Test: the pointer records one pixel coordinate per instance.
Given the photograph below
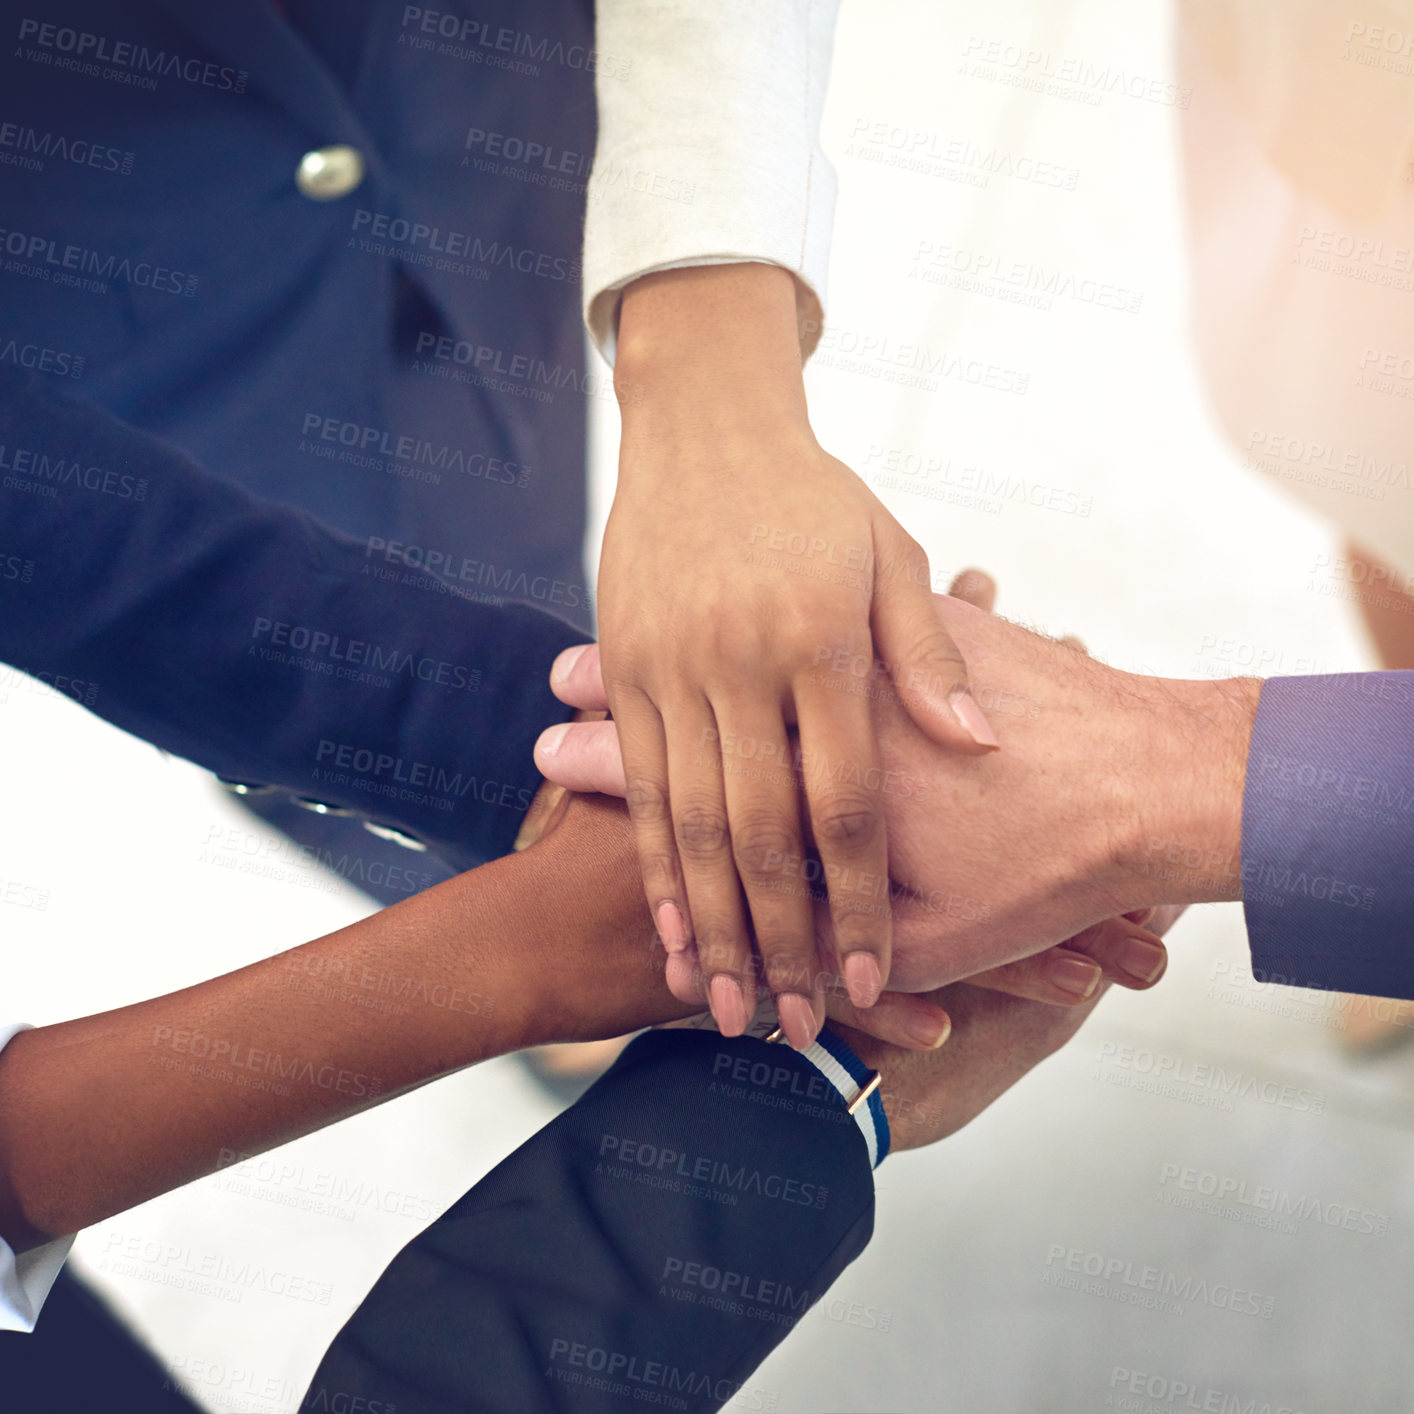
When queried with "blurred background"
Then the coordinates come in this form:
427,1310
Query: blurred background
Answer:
1062,443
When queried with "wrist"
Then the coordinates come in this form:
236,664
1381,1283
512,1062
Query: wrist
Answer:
1184,777
594,968
708,342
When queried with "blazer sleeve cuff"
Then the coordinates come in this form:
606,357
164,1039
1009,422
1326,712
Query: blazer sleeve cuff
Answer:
649,1247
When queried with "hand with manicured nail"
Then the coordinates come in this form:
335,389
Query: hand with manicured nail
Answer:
579,995
740,562
901,1019
1069,833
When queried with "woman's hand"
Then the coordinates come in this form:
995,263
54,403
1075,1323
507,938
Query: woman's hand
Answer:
740,559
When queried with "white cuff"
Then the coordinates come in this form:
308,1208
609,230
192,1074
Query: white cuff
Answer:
708,149
25,1280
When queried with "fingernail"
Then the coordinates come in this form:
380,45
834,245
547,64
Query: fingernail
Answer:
552,739
928,1031
1077,975
862,978
974,721
797,1019
563,665
728,1005
671,929
1142,960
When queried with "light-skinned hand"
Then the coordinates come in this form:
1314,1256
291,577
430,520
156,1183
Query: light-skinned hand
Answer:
1116,795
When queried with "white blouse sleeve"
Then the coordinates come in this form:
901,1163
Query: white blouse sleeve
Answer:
709,147
25,1280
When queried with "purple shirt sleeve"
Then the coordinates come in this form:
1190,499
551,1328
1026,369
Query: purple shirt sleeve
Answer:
1328,833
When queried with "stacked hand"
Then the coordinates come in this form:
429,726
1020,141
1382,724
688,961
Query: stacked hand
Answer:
1060,837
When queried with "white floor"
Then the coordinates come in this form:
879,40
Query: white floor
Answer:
1184,564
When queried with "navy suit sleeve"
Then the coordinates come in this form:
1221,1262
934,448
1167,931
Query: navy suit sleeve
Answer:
1328,833
650,1247
255,641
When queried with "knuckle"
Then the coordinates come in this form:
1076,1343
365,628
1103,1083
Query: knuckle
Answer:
861,923
647,801
912,550
847,822
790,967
935,647
761,846
624,661
659,871
719,948
902,547
702,832
734,648
811,623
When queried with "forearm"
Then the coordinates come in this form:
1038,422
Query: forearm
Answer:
106,1111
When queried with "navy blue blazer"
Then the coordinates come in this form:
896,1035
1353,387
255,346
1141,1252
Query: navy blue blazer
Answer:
253,640
405,363
650,1247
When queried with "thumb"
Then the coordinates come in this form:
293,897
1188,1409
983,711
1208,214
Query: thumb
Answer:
928,669
975,587
577,679
582,756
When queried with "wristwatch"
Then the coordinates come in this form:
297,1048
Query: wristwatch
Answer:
856,1084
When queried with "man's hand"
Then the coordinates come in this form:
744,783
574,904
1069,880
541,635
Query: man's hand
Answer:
1105,779
1113,794
738,557
1125,950
996,1039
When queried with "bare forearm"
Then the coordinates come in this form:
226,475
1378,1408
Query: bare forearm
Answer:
103,1112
